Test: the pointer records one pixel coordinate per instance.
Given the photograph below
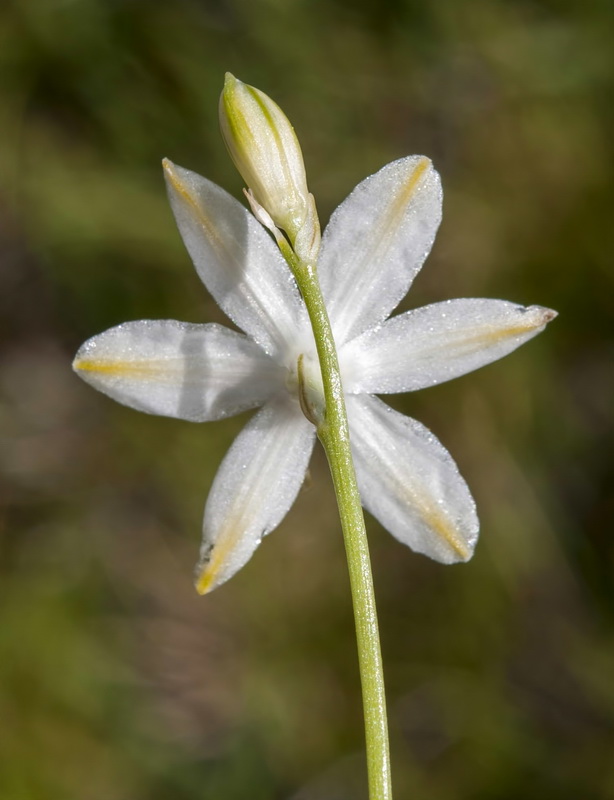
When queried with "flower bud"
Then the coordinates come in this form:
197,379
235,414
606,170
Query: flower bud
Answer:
262,143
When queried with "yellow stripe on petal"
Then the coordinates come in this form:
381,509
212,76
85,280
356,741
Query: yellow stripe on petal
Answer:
178,186
412,498
409,482
484,337
209,573
123,369
441,526
493,335
226,542
255,486
210,570
432,516
398,207
406,194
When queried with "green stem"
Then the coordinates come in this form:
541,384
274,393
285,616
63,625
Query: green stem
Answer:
333,433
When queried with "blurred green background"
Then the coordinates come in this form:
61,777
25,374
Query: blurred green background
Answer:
116,681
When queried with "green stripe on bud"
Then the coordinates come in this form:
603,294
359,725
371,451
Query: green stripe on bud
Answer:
262,143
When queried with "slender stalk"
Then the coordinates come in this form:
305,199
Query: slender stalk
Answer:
333,433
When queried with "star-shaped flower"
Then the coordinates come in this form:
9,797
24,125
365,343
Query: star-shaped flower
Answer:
373,247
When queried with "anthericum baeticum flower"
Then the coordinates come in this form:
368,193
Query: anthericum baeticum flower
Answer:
373,247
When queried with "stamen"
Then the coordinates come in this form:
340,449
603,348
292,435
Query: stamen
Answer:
306,407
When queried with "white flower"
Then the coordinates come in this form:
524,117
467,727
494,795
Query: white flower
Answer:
372,249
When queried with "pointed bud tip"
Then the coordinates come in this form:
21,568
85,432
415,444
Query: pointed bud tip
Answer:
231,89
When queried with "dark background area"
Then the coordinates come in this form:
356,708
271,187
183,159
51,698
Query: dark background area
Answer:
117,682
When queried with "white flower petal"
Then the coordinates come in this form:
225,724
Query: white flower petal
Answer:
176,369
236,260
376,242
436,343
410,483
254,488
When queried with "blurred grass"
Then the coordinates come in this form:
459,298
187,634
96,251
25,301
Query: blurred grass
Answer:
116,680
